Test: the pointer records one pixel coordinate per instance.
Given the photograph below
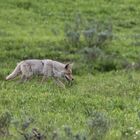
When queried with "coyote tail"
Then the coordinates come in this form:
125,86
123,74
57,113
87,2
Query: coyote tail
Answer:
15,73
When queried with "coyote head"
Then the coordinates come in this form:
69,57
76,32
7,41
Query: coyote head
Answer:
68,72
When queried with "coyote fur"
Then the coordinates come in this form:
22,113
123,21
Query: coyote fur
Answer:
47,68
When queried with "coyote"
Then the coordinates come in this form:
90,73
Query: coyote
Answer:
46,67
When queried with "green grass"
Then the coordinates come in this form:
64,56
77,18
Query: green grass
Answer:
114,93
35,29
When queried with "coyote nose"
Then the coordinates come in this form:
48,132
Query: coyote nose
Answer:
72,79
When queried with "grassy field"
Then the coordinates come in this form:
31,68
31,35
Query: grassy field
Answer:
104,100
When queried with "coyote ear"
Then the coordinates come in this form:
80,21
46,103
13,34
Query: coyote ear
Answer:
68,66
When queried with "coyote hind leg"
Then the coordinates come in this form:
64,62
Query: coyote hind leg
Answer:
23,79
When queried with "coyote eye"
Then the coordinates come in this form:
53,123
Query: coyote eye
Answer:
68,73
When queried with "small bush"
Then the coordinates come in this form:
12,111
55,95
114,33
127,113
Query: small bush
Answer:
72,35
92,33
98,126
5,120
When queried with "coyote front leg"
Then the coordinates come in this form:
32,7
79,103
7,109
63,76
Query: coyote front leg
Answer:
59,83
44,78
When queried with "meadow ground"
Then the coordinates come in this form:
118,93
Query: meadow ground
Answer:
36,29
